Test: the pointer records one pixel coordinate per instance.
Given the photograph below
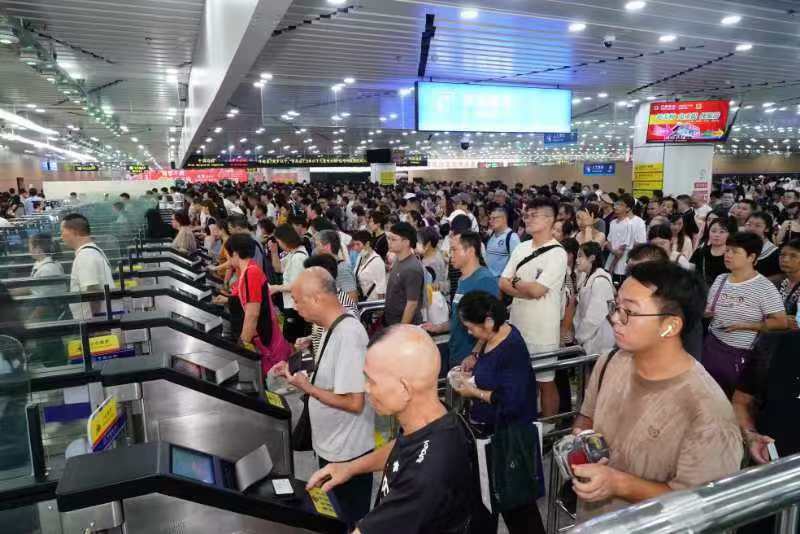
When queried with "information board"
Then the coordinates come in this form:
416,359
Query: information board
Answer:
599,169
647,177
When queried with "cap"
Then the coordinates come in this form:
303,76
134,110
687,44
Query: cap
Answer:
605,197
409,196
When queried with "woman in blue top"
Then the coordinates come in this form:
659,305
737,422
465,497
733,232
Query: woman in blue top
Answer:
504,388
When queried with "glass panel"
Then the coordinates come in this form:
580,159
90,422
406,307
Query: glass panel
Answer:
15,458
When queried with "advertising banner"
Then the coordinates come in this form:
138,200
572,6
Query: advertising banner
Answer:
195,175
400,158
687,122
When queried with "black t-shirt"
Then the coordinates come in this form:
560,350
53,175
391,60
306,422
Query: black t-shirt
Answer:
429,483
708,265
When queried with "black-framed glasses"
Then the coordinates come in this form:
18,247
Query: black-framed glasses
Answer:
624,314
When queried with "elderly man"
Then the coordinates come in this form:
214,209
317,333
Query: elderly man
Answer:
342,424
429,483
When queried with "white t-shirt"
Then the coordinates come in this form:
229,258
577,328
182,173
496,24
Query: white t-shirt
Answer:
539,320
743,302
371,274
89,268
629,231
292,266
45,268
338,435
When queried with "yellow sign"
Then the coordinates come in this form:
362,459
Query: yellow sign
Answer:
322,504
274,399
129,284
647,177
388,178
137,267
97,345
102,419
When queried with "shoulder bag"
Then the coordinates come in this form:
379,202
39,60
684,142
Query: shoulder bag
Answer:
507,299
301,435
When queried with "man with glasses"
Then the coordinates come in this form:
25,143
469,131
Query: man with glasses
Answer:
625,231
501,243
668,424
534,277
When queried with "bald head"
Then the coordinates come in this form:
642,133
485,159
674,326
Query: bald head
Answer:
402,367
314,293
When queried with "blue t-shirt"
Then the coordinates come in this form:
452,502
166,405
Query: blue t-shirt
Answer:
497,253
461,343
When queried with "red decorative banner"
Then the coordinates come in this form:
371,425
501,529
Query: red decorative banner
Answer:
194,175
702,121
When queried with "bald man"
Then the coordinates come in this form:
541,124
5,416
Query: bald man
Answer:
429,479
342,424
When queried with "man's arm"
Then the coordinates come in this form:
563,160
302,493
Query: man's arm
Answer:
250,325
524,290
335,474
409,311
755,442
598,482
349,402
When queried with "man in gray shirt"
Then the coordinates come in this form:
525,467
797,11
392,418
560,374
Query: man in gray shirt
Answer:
328,242
342,423
406,281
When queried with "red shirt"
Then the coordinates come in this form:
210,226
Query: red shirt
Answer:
256,280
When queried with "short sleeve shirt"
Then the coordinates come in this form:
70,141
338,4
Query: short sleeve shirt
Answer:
292,266
345,280
90,268
499,249
539,320
405,283
743,302
680,431
461,343
428,486
338,435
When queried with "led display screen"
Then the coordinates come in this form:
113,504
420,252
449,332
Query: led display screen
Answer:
192,464
703,121
492,108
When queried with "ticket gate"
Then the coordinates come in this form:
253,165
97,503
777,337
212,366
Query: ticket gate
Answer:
197,400
160,487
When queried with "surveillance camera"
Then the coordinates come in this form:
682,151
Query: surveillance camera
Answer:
465,143
608,40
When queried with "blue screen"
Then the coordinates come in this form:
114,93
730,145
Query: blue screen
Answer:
194,465
492,108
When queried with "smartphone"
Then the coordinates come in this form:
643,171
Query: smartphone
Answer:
296,362
772,451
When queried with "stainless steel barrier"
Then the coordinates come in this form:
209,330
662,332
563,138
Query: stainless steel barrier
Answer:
727,503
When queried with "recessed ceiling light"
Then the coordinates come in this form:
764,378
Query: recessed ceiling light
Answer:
767,104
651,98
172,71
39,110
276,140
135,139
469,14
259,85
336,2
635,5
730,20
744,47
218,129
345,114
577,27
349,80
171,78
576,100
243,140
602,95
209,139
30,106
667,38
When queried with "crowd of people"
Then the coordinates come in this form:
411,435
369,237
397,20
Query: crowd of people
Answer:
691,301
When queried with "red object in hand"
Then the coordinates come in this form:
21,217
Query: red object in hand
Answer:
577,457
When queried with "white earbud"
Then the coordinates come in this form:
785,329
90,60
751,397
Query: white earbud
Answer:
666,332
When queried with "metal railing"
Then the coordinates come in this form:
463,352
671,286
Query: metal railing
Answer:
727,503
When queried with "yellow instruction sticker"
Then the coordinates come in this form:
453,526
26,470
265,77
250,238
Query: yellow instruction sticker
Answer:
274,399
322,504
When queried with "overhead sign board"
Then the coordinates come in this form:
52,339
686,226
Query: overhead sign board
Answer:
702,121
136,168
262,162
561,138
599,169
82,167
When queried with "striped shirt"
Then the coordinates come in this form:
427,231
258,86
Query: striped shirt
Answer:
743,302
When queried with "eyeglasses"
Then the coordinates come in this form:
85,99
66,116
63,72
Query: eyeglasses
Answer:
624,314
535,215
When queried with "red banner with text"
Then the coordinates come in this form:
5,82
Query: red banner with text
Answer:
687,122
194,175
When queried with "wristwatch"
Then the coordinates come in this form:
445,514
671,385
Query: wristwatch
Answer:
514,282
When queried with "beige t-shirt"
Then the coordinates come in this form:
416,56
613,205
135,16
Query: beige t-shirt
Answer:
681,431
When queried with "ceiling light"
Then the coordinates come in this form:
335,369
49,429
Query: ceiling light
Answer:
577,27
576,100
767,104
135,139
730,20
171,78
259,85
635,5
349,80
218,129
266,76
287,147
602,95
344,114
75,155
209,139
382,119
276,140
336,88
39,110
260,131
31,106
234,111
243,140
744,47
25,123
469,14
172,72
231,147
667,38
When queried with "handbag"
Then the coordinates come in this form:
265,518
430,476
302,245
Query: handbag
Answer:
301,435
516,474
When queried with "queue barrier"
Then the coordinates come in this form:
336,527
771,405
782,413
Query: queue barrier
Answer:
751,494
